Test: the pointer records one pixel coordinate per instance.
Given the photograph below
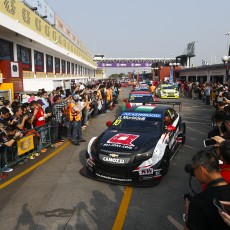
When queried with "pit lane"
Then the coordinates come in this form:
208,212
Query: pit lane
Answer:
56,196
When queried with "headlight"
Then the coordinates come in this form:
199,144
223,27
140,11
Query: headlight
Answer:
143,156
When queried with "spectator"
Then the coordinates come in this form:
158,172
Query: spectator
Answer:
7,105
75,132
20,119
31,98
40,125
44,98
57,111
8,137
201,213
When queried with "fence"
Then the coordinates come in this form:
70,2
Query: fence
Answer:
32,142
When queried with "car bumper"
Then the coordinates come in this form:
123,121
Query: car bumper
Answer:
121,175
171,96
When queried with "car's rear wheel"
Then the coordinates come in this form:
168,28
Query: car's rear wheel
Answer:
165,162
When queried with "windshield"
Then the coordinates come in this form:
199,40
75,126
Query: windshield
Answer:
138,122
140,98
167,87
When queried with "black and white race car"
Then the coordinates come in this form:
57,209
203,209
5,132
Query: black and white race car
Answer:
137,147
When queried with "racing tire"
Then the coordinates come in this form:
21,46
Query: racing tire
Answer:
165,163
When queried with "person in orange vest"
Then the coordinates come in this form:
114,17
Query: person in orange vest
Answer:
75,131
152,88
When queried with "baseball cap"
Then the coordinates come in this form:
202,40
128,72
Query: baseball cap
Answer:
40,102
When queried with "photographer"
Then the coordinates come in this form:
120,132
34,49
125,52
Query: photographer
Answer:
8,137
201,212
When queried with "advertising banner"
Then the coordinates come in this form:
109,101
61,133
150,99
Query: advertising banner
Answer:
25,144
123,65
43,9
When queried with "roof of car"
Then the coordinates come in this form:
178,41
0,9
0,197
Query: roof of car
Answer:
148,109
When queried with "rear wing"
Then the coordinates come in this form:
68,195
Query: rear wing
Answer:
173,103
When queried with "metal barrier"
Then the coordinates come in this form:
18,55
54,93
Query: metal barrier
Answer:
29,144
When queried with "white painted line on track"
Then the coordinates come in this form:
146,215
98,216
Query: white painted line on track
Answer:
190,147
197,122
175,223
195,118
196,130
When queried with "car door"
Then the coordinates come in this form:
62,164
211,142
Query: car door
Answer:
174,118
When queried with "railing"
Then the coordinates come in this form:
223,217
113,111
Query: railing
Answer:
31,143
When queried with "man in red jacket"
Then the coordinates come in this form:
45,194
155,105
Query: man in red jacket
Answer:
40,124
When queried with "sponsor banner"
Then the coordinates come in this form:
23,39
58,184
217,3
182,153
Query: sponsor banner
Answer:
25,144
123,65
154,115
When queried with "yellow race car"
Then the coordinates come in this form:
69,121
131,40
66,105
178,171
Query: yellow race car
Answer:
167,91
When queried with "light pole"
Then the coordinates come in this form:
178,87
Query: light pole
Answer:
226,60
228,33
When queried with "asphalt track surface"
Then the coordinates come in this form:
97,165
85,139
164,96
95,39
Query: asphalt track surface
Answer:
48,193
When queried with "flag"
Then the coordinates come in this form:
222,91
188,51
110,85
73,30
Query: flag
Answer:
171,76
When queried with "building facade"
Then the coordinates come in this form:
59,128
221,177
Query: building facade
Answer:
38,49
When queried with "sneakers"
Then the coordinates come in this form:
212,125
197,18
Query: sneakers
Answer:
76,143
82,140
3,175
55,145
31,157
7,170
42,151
36,154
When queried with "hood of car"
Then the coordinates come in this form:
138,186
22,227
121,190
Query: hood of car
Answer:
120,141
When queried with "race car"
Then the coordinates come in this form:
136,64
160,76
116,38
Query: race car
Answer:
137,147
167,91
139,98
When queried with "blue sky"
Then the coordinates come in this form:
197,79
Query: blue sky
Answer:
149,28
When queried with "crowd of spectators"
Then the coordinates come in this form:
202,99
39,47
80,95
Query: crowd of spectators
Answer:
51,117
212,167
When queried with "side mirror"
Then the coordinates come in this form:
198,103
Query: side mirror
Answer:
108,123
171,128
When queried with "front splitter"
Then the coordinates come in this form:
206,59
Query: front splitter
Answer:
145,183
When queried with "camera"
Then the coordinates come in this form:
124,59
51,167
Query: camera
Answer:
189,169
209,142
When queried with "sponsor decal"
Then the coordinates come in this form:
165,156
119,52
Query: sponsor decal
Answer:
112,178
117,122
123,139
148,171
154,115
117,146
134,118
114,160
113,155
